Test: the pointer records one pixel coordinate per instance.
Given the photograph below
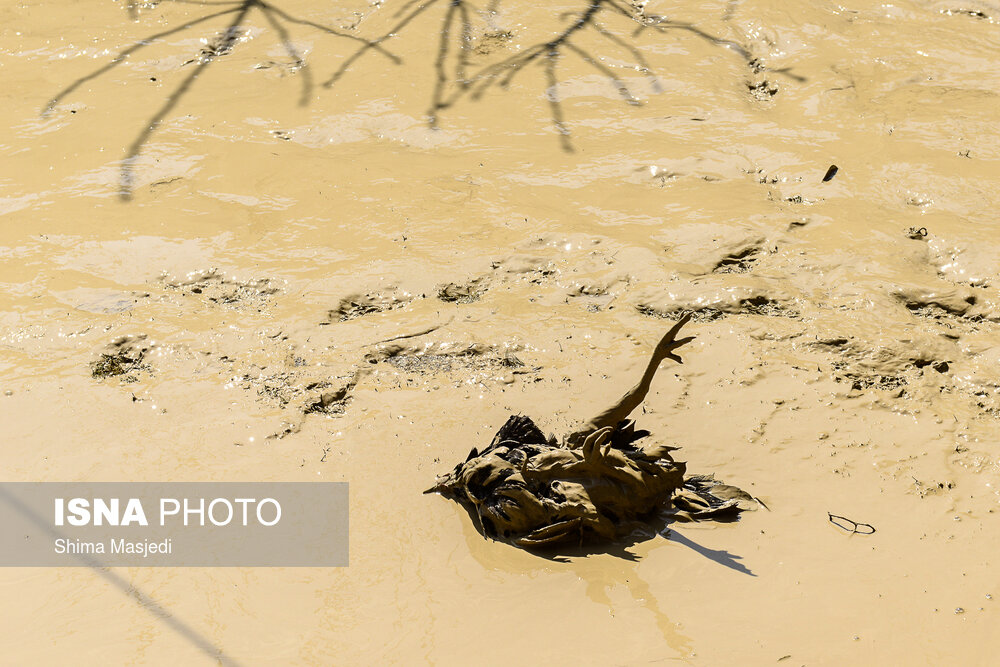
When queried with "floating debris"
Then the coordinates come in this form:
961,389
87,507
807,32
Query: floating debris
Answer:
123,357
854,527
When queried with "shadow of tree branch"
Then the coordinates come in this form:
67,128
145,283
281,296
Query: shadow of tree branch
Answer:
223,44
122,56
376,43
454,75
549,53
286,41
133,151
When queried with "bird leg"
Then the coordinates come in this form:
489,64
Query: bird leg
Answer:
624,406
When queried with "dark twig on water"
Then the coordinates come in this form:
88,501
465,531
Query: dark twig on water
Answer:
854,527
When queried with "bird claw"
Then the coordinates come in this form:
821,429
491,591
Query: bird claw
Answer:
669,342
593,442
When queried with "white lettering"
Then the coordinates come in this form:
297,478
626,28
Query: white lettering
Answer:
164,512
64,546
244,501
211,512
144,548
200,511
277,511
104,511
134,513
79,511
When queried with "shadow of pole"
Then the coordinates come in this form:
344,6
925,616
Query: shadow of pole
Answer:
144,600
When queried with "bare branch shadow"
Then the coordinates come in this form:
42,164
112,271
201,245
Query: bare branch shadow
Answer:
455,77
376,44
224,43
122,56
454,81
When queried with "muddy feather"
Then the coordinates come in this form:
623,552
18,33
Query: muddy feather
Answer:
595,485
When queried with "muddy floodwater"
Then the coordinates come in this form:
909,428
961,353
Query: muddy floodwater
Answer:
344,241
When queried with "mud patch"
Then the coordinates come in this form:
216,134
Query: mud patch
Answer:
446,359
699,315
861,381
740,261
761,88
105,302
301,393
493,41
213,286
947,304
534,269
330,401
463,293
359,305
278,388
220,45
958,309
963,11
762,305
326,399
753,305
123,358
891,366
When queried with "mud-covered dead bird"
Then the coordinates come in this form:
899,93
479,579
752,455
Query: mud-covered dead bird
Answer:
596,484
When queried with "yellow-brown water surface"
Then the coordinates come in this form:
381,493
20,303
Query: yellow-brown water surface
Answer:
251,207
